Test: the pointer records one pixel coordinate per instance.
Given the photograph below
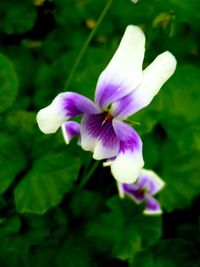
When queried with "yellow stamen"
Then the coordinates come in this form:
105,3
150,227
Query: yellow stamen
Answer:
107,118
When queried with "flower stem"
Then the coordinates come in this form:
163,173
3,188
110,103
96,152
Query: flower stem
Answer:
87,42
89,174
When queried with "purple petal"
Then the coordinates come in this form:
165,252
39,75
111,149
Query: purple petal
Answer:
154,76
64,107
145,183
152,205
124,72
70,129
98,136
124,107
150,181
75,104
109,92
133,191
129,162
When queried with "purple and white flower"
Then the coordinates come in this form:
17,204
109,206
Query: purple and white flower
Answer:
122,89
147,185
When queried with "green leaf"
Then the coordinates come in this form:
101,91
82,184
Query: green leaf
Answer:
186,11
8,84
123,230
182,95
15,248
45,185
25,123
181,112
181,152
80,11
10,225
78,253
172,252
17,17
85,203
12,160
180,171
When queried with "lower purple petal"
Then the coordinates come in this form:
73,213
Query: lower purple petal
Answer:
129,139
98,136
152,205
133,191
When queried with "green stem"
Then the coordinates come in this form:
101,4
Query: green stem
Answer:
86,44
89,174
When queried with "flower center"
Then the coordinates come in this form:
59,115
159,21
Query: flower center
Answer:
107,117
141,192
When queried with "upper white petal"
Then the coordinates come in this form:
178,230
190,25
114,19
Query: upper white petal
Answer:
124,72
154,76
127,60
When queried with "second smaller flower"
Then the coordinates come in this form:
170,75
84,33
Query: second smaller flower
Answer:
147,185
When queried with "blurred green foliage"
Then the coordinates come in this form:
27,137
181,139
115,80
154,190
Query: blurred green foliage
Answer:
46,217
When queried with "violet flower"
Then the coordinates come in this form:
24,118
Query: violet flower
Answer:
147,185
122,89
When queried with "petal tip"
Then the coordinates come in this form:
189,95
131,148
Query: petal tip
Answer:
48,121
120,190
127,170
43,122
170,62
134,29
65,135
154,213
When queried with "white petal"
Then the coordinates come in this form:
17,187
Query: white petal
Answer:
70,129
124,72
127,166
65,106
150,212
49,119
103,152
87,141
108,162
154,76
120,190
99,136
